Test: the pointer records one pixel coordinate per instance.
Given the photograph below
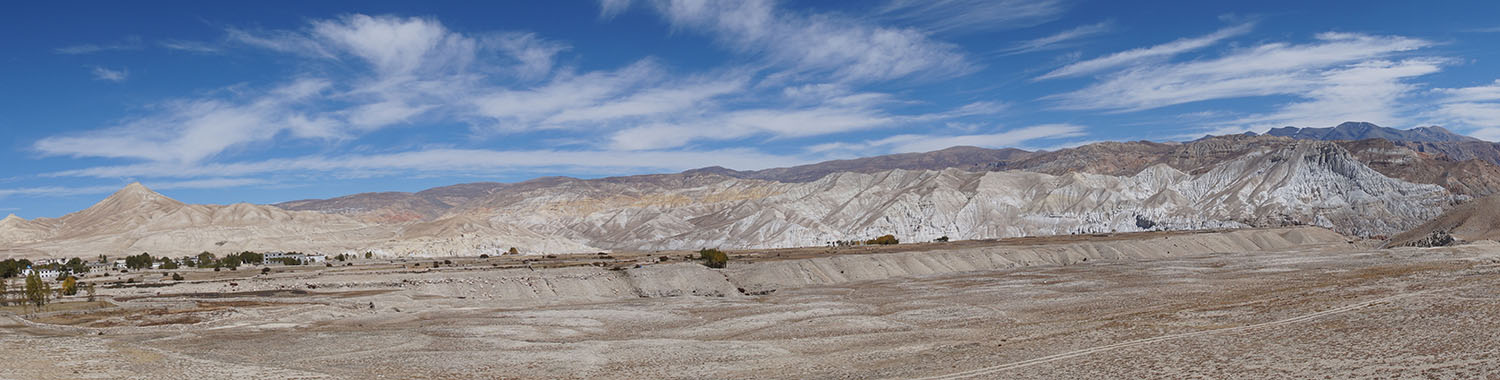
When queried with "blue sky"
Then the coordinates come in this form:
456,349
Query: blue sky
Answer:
223,103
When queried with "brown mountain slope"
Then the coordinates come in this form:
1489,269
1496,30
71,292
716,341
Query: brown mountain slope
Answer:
1461,176
1472,221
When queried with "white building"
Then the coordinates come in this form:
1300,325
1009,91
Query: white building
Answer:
45,274
99,267
278,257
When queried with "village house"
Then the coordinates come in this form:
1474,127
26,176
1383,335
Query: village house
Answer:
100,267
45,274
280,257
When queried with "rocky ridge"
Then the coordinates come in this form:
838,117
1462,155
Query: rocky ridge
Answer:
1365,188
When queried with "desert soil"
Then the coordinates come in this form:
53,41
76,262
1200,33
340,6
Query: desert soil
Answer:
1334,310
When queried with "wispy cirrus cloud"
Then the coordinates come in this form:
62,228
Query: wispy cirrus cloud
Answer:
448,160
1060,39
106,74
847,48
65,191
908,143
643,115
973,15
1475,109
1146,54
128,43
1267,69
190,46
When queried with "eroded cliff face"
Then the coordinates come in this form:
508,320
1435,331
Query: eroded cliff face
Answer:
1292,182
1306,183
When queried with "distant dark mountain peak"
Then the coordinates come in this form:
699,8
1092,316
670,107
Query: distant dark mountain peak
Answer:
1363,130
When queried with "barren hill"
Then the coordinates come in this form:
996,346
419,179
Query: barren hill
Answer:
1473,221
1367,188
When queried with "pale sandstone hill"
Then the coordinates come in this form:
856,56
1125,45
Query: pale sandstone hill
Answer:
1273,182
136,219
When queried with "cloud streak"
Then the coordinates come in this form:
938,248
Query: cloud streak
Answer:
127,44
105,74
1059,40
1268,69
1136,56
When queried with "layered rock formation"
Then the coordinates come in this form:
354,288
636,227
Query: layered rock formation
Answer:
1365,188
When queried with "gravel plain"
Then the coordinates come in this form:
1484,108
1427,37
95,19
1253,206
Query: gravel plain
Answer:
1328,309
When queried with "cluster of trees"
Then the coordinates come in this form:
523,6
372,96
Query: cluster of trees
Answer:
713,258
12,267
38,292
141,261
883,240
202,260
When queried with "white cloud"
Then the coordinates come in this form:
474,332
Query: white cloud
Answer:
1136,56
464,161
106,74
1268,69
192,130
610,8
535,56
973,15
847,48
129,43
64,191
1474,109
1059,40
396,46
909,143
1373,91
744,123
399,70
658,100
190,46
522,109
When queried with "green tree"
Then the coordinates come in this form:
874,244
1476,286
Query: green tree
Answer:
141,261
4,293
713,258
168,263
76,265
90,289
70,286
207,260
231,262
369,254
36,290
251,258
513,251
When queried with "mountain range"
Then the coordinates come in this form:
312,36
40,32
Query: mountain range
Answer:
1361,186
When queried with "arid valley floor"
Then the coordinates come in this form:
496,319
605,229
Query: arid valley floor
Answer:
1270,303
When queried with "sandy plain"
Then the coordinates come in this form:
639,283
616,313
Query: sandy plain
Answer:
1314,306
